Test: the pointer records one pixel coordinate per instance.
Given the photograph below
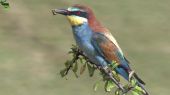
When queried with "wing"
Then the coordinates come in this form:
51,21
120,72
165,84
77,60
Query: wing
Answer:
107,47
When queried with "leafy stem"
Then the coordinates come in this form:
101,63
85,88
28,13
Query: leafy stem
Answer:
109,75
4,3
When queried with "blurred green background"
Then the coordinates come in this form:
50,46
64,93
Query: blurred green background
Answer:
34,45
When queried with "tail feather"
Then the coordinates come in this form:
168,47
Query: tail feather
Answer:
140,83
139,79
145,92
124,72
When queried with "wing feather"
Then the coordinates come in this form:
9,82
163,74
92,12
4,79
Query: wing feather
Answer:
109,50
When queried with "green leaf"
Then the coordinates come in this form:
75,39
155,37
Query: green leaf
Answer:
96,85
127,86
115,75
138,89
109,85
91,70
135,93
82,60
70,52
82,69
133,82
114,64
67,63
75,68
117,92
5,4
62,72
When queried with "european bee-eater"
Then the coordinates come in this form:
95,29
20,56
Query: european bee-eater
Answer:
96,41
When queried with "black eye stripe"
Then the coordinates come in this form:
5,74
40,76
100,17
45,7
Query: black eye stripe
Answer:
78,13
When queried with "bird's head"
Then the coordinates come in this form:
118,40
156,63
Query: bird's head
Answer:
77,14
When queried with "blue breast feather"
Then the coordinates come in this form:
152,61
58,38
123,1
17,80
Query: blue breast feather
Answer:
83,35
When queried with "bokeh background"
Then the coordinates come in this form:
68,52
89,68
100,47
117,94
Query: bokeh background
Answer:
34,45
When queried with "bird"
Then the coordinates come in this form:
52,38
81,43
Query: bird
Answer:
97,42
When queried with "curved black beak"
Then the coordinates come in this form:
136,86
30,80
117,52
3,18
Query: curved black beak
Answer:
59,11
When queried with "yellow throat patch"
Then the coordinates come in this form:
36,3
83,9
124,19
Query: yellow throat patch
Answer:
75,20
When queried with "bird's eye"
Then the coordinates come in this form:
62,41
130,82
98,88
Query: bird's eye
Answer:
78,13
